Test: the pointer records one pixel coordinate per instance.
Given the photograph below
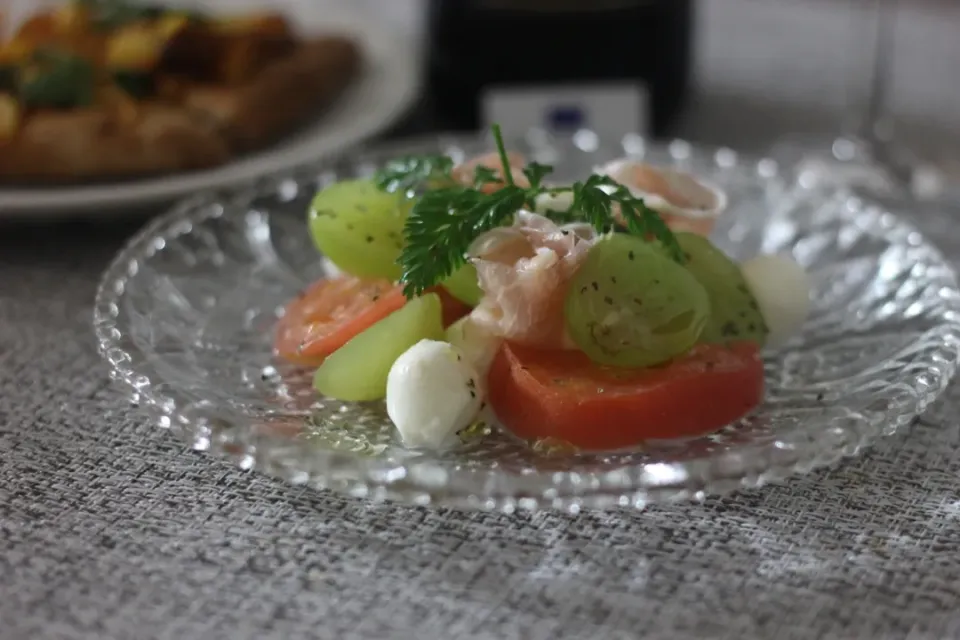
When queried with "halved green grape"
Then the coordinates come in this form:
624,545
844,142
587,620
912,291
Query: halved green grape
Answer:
629,305
360,228
734,312
358,370
464,285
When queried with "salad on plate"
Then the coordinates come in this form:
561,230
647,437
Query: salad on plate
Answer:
596,314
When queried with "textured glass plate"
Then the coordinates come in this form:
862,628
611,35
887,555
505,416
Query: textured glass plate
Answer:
185,315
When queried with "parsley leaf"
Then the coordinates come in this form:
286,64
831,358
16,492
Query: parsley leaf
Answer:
643,221
113,14
442,225
447,218
593,204
536,172
57,79
483,176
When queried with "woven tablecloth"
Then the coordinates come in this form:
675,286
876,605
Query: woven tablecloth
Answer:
111,528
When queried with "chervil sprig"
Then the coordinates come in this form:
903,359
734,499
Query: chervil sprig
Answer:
443,224
535,173
447,218
595,198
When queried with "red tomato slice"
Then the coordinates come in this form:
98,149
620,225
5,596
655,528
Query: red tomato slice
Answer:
563,395
332,311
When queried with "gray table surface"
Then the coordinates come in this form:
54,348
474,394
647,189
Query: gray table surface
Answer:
112,529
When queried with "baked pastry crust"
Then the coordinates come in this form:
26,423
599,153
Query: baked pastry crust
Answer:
208,91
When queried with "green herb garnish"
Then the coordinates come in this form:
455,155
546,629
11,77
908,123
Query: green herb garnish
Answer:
8,78
57,79
136,84
448,217
112,14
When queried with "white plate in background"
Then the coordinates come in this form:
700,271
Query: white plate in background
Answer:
386,89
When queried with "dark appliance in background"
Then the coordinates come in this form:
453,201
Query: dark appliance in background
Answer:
608,65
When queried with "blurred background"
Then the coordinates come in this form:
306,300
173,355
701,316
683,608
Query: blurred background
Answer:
772,76
763,68
870,84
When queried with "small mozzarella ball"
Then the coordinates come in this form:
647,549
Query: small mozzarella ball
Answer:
546,202
782,291
432,393
330,270
476,343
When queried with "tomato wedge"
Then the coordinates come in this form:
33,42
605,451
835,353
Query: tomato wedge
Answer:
332,311
563,395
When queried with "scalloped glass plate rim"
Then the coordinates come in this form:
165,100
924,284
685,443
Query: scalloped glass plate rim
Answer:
429,482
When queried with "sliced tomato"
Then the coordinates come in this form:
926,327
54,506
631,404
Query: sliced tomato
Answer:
563,395
329,313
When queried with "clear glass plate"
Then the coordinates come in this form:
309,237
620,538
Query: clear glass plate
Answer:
185,313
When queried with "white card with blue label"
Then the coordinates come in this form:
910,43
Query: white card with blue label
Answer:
611,110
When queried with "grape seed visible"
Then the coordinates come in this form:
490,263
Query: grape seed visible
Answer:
661,307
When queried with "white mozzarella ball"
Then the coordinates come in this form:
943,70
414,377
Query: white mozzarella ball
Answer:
432,393
782,290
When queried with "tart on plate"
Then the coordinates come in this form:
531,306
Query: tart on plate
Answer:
106,89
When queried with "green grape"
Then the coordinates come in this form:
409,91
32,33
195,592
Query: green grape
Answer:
464,285
358,370
629,305
360,228
734,313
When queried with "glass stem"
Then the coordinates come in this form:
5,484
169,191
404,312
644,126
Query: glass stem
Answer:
873,126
